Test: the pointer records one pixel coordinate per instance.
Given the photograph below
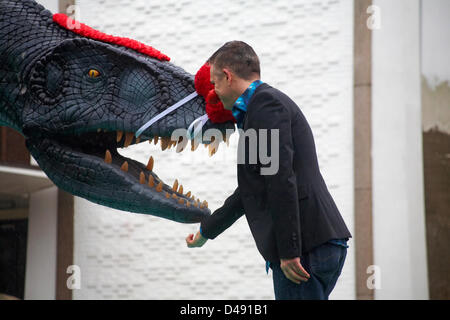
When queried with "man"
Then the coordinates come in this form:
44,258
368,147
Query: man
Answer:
295,223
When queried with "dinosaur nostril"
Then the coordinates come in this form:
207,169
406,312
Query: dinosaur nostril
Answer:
46,81
54,78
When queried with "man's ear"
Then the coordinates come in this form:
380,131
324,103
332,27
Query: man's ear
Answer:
228,75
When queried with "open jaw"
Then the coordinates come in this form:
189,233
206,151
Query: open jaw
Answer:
88,165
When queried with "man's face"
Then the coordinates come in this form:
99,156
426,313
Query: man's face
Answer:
222,87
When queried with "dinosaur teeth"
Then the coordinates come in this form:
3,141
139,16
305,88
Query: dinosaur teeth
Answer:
194,145
175,185
164,143
142,178
128,139
212,149
150,164
172,143
119,135
226,138
179,148
181,144
213,146
151,181
108,157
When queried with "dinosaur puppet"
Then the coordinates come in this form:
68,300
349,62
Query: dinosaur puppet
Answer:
77,97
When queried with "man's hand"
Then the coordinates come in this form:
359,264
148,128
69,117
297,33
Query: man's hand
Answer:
198,241
293,270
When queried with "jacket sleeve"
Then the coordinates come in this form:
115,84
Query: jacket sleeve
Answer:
224,217
281,184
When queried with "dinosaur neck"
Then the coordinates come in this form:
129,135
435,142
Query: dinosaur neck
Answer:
27,32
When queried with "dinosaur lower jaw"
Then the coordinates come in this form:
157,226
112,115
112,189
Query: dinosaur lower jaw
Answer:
103,176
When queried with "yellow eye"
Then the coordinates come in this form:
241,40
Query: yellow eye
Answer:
93,73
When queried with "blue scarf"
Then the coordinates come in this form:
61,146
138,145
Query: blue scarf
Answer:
240,106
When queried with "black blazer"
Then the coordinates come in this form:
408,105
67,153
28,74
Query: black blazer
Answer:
292,211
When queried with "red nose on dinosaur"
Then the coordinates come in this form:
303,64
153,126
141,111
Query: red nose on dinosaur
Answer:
212,97
214,107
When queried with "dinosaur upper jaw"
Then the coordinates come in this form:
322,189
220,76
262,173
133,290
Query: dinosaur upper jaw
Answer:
89,166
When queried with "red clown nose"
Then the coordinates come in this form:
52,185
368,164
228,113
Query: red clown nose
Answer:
214,107
212,97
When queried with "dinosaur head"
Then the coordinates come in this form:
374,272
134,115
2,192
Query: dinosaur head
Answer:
85,98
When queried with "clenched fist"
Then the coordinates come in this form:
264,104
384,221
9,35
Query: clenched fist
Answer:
196,242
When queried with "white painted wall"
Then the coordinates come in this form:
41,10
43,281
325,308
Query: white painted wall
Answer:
436,41
306,50
40,274
398,200
435,52
51,5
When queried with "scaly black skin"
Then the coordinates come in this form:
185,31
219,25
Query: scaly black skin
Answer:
47,95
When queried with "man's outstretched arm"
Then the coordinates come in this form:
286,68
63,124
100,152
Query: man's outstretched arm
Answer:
219,221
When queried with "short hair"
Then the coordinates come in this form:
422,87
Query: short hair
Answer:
239,57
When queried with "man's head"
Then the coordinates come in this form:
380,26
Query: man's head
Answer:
233,67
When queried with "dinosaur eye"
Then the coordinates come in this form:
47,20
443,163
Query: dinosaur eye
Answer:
93,73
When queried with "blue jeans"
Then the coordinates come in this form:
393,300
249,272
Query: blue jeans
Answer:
324,265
